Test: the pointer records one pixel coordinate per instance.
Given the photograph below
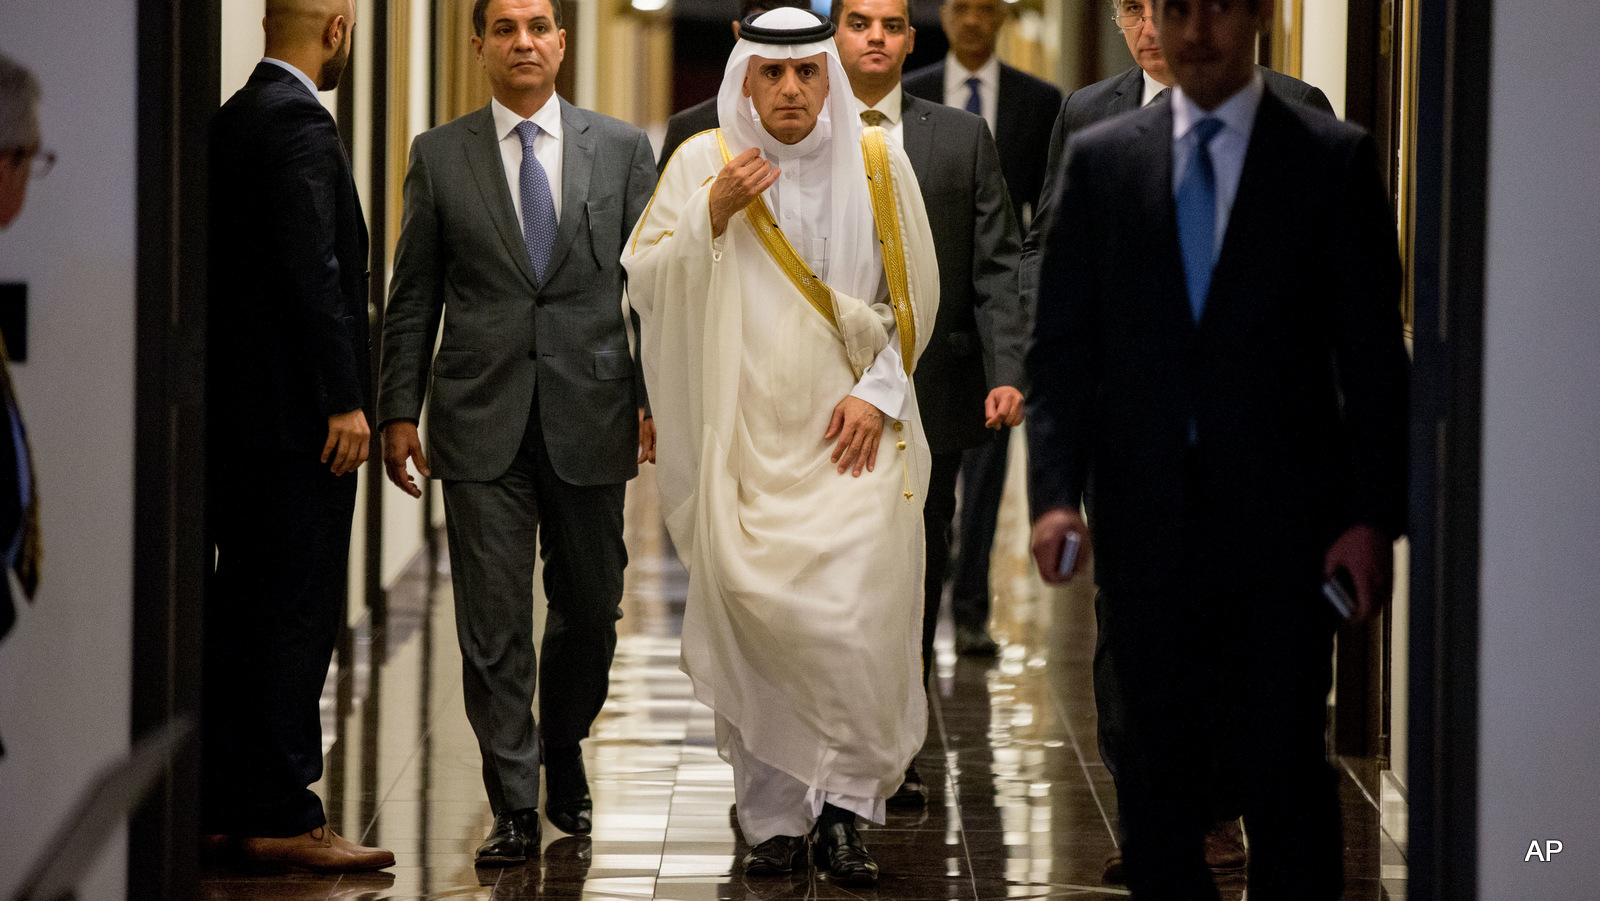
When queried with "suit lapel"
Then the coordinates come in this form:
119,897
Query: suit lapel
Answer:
1156,206
1008,118
916,134
1251,205
577,166
1129,93
489,172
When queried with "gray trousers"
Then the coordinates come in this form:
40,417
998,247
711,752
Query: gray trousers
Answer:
492,528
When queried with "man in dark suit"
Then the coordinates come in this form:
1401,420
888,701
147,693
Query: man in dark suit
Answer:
514,221
972,78
687,123
20,153
968,378
289,383
1218,369
1145,83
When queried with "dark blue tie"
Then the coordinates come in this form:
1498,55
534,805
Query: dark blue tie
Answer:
538,206
974,101
1197,216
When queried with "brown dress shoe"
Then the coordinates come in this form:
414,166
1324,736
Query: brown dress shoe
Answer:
1225,853
321,851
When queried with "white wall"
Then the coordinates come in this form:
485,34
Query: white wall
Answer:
1539,714
64,671
1324,40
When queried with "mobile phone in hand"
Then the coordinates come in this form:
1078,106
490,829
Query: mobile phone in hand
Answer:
1341,593
1069,554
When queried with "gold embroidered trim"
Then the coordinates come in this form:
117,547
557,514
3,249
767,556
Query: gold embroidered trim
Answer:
647,206
875,151
819,295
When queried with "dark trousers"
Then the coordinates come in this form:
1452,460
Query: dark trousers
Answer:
937,514
492,528
281,525
983,483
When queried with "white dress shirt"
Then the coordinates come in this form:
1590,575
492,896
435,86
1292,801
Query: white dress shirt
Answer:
956,91
546,149
1151,88
1238,116
304,78
891,107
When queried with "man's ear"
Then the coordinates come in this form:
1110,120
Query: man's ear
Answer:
333,34
911,39
1266,11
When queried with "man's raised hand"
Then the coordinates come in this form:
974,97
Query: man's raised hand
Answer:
741,181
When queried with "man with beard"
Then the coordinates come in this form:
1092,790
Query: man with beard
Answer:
288,390
780,333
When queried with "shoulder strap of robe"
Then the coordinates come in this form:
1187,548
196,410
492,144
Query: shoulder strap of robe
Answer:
777,244
875,151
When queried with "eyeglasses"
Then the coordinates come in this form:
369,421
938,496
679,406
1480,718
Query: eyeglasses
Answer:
1130,21
39,160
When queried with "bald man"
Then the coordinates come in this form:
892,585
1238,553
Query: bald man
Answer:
289,386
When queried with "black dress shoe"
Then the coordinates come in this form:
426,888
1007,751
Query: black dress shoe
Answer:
911,793
514,837
837,850
567,801
780,855
975,642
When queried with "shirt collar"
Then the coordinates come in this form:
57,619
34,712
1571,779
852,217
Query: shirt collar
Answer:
547,117
988,73
303,77
891,105
1238,113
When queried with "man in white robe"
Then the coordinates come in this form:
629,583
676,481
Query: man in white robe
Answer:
778,340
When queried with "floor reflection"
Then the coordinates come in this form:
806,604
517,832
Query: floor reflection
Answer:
1019,803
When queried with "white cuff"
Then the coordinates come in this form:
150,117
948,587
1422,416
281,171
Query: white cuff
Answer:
884,384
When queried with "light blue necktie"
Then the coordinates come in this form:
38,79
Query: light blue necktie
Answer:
1197,216
974,101
538,206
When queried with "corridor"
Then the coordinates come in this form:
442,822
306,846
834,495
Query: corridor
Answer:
1019,803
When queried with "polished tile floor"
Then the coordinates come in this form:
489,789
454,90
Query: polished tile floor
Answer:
1020,805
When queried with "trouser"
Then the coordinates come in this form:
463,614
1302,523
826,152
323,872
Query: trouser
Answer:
492,527
281,525
937,514
983,483
771,802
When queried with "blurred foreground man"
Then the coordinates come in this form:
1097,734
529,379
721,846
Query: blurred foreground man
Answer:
290,382
514,220
1234,410
20,157
969,378
779,335
1148,81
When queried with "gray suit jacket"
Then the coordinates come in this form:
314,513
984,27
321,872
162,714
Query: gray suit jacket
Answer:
512,346
981,333
1102,100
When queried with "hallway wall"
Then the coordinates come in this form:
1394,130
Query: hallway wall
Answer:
64,671
1540,725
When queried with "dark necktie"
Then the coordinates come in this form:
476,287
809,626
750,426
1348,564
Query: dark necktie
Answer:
974,100
1197,216
538,206
872,117
1161,95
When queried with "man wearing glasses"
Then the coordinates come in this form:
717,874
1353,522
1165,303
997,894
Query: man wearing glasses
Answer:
20,159
1148,81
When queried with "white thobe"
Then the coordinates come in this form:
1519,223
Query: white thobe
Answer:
803,625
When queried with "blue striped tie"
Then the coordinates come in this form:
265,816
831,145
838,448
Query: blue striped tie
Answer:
538,206
1197,216
974,101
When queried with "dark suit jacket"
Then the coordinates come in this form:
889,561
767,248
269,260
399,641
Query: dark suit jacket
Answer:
980,335
684,125
1022,125
1295,377
509,340
288,292
10,508
1100,101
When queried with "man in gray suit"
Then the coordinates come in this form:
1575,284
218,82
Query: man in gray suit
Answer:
514,221
968,377
1147,82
